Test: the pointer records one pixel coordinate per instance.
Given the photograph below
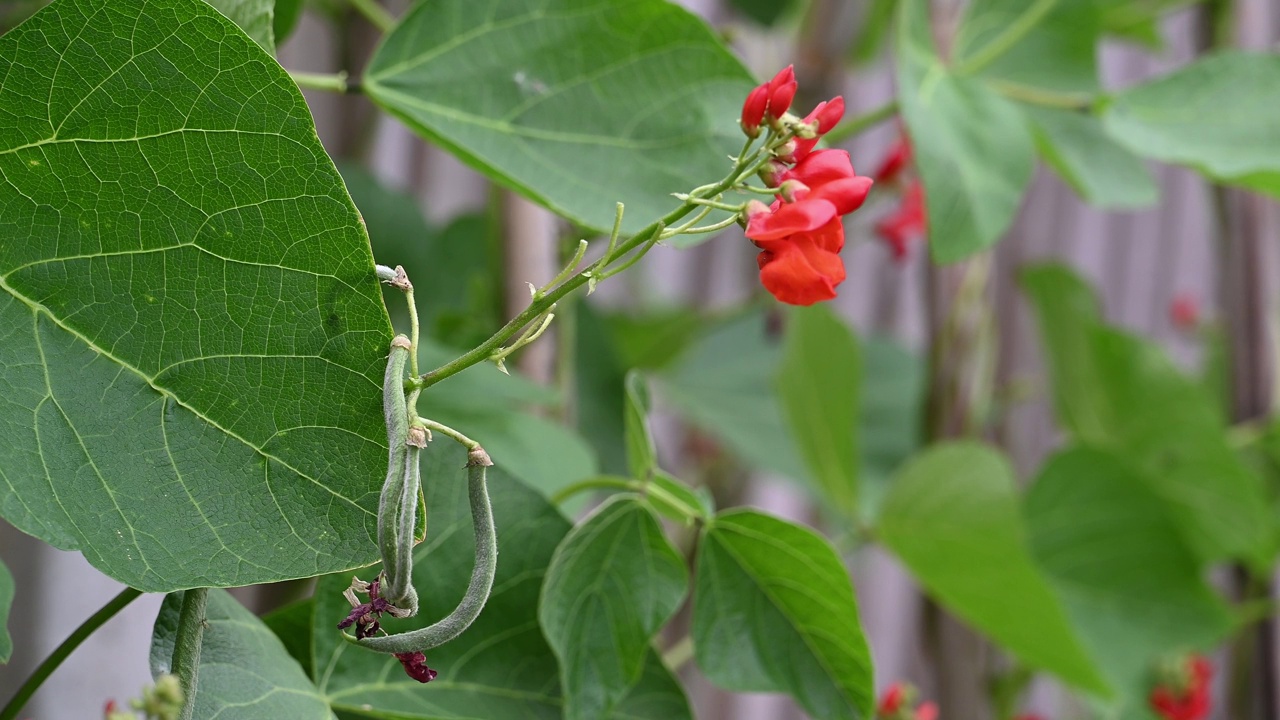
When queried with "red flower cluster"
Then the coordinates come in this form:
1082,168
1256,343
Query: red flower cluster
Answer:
1188,699
896,703
800,235
907,222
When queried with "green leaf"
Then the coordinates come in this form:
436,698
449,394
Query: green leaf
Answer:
677,501
244,671
889,418
818,385
642,455
254,17
952,517
501,667
1137,20
287,15
724,384
292,624
1132,586
1216,115
1116,391
6,602
614,581
625,116
764,12
1044,45
774,611
972,147
876,29
655,338
599,384
191,332
1101,172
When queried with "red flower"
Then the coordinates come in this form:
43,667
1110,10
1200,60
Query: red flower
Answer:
1184,311
803,267
892,699
769,101
897,159
829,176
1191,700
896,704
927,711
824,117
899,227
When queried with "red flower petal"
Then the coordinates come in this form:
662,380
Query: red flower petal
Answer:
789,218
782,90
801,272
753,110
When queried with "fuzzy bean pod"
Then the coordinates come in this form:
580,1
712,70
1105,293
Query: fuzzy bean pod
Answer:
396,554
486,565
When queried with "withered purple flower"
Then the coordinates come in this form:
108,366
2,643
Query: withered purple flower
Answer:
367,616
415,665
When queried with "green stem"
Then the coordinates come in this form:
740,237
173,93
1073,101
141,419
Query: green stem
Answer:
600,482
1043,98
1013,34
486,565
186,647
433,426
650,233
714,227
68,646
857,125
330,82
375,14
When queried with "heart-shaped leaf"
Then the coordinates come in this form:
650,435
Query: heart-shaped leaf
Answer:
1102,172
1117,391
255,17
1131,584
774,611
578,104
613,583
192,338
818,385
972,147
244,671
952,517
1216,115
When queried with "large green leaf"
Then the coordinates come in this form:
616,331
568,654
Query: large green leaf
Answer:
578,104
818,385
501,667
292,624
774,611
1100,171
285,18
889,417
1038,44
1132,586
191,332
244,671
613,583
972,147
952,517
255,17
724,384
1216,115
1114,390
6,601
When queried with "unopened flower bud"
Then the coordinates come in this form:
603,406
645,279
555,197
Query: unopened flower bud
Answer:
793,190
786,152
772,172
